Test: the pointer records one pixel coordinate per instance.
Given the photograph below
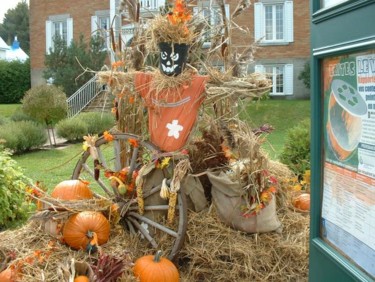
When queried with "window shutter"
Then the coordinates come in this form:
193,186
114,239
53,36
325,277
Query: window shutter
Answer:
259,69
94,25
289,21
69,35
258,21
48,36
288,80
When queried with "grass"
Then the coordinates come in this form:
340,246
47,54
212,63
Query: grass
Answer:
7,110
56,165
282,115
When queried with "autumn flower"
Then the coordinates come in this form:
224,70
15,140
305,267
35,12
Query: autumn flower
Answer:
133,142
108,136
180,14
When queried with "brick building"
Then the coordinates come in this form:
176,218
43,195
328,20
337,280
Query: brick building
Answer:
282,26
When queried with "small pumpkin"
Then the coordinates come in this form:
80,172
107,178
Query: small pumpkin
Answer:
302,202
86,230
155,268
7,275
72,190
81,278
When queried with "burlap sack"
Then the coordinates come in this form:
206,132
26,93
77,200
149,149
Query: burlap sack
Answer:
193,189
227,197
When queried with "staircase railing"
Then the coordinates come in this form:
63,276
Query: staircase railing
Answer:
83,96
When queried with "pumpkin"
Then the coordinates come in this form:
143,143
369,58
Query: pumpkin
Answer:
81,278
72,190
302,202
86,230
155,268
7,275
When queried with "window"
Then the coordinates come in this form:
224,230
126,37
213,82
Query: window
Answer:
281,76
273,22
100,26
58,26
213,17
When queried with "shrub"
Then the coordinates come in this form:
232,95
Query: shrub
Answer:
45,103
71,129
23,135
304,75
21,116
14,81
13,205
296,151
97,122
3,120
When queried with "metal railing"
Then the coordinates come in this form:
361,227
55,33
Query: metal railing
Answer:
83,96
151,4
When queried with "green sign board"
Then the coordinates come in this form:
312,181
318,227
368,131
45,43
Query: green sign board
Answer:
342,239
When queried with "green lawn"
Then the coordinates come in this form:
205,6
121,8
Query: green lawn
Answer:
281,114
7,110
54,165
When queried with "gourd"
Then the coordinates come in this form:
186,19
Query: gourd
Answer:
7,275
72,190
302,202
81,278
86,230
155,268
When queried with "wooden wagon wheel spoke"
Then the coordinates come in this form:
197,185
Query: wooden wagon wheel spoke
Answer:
144,232
154,224
160,235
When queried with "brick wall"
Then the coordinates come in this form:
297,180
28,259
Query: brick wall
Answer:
81,12
300,48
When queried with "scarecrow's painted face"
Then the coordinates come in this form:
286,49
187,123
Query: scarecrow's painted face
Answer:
172,60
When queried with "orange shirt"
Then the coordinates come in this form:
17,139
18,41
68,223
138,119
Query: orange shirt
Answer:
172,112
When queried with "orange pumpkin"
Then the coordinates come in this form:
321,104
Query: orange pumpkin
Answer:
86,230
72,190
302,202
155,268
81,278
7,275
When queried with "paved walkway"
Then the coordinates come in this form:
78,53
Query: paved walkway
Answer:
59,140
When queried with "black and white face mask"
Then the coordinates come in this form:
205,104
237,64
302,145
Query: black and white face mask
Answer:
172,58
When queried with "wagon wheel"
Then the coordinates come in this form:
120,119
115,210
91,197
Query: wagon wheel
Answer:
152,225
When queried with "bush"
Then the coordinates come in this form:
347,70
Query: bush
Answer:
296,151
14,81
23,135
21,116
14,208
72,129
3,120
97,122
45,103
305,75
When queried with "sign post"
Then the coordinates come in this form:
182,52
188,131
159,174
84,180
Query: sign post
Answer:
342,238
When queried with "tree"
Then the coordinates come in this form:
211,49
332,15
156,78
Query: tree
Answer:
46,104
16,23
65,64
305,75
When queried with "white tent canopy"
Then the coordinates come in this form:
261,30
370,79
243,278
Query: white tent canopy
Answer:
15,52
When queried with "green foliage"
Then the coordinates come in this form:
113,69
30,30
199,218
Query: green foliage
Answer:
20,116
64,64
14,80
296,151
97,122
23,135
305,75
3,120
72,129
13,205
86,123
16,22
45,103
